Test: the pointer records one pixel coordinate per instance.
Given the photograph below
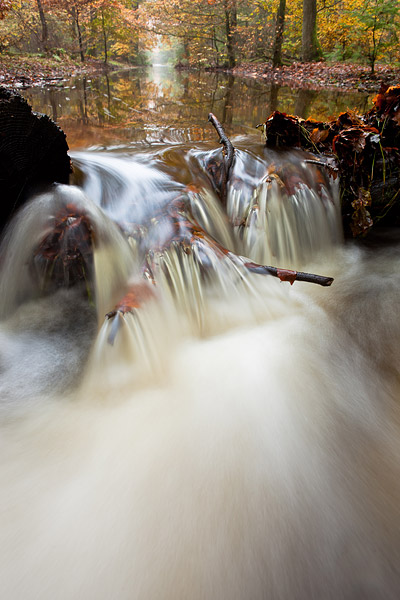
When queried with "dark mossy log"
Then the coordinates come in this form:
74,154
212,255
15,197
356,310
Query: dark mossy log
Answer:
33,152
363,149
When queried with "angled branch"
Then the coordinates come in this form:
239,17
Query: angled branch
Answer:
288,274
228,153
228,146
187,231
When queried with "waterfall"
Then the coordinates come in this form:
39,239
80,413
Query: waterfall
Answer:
177,427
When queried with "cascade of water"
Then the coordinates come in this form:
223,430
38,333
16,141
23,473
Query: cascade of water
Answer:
231,436
57,240
138,197
128,190
288,214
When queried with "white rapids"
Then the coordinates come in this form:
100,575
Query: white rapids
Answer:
238,439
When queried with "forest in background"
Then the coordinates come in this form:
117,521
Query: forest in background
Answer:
204,33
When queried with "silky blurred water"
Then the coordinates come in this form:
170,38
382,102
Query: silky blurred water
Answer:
233,437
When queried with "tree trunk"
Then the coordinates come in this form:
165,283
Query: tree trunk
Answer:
45,33
103,27
279,27
134,7
78,28
215,46
186,49
373,52
230,27
310,49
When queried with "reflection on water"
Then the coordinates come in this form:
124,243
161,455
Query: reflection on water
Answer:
161,103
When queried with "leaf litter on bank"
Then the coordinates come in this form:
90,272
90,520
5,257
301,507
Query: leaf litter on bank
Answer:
322,75
35,71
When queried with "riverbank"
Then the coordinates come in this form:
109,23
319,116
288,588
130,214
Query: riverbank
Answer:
323,75
35,71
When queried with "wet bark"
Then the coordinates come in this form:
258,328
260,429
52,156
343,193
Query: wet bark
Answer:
33,152
220,171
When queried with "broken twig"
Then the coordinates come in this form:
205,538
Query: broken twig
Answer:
224,140
288,274
228,153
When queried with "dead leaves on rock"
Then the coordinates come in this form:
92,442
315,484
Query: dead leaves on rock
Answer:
65,256
365,149
137,295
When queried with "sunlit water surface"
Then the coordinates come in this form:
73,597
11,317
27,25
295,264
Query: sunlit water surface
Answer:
234,437
163,104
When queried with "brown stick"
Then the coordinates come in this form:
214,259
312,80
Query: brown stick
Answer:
228,155
229,149
187,230
289,275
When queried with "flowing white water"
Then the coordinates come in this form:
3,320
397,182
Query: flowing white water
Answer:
233,438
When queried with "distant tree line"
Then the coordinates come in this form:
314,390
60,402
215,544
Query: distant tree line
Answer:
206,33
104,29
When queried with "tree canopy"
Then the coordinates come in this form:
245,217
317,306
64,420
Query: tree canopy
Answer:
205,33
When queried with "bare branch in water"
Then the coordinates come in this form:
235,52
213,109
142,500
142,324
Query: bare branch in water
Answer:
229,152
229,149
138,294
321,163
288,274
186,232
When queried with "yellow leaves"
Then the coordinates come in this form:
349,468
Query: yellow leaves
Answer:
120,48
5,6
319,135
336,27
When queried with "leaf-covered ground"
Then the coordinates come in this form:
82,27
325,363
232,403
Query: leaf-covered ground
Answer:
320,75
28,71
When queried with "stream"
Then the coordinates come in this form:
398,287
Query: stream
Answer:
229,437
